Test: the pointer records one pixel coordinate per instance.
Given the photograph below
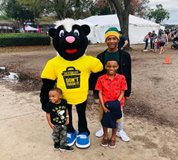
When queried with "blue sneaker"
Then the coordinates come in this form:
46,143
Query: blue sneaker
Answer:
83,140
71,138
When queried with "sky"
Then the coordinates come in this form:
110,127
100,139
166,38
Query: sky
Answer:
171,6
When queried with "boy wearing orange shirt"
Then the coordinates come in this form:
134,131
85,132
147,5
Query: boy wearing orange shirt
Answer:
111,88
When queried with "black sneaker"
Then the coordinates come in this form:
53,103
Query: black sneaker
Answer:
56,146
67,149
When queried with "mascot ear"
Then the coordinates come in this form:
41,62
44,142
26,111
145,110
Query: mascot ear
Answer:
86,29
52,32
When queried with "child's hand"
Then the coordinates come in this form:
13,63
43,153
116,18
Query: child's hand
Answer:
106,109
52,126
67,121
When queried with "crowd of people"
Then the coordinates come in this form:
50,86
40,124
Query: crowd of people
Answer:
174,35
158,40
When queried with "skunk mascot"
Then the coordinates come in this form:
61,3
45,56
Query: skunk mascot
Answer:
70,71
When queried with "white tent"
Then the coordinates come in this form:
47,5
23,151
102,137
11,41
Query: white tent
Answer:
138,27
92,35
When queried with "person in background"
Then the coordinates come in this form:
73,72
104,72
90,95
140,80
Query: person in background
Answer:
153,38
157,44
163,40
123,58
123,42
146,39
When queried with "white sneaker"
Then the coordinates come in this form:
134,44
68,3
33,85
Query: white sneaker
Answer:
99,133
123,135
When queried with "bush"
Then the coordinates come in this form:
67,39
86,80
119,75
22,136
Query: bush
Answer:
23,39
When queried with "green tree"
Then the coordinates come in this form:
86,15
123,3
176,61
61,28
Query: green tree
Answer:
35,6
81,8
61,8
159,14
16,11
72,8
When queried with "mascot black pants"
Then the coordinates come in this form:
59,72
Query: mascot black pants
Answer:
82,121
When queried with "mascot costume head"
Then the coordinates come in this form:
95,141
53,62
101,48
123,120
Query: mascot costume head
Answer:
70,71
70,42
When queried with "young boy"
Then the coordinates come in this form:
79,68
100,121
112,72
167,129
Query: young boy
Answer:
111,88
58,117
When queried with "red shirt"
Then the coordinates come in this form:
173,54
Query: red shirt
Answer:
111,89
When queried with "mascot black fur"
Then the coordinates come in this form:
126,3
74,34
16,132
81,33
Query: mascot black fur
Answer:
70,71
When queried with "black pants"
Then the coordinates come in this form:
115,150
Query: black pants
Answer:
82,121
146,44
152,44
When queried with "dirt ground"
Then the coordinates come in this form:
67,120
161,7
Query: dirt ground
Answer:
151,113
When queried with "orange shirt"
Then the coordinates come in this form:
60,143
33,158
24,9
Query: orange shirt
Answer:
111,89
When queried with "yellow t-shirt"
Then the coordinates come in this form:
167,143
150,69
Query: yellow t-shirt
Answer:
72,76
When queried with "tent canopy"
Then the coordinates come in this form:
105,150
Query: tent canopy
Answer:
138,27
113,19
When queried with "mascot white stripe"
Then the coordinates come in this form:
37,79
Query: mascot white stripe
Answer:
67,23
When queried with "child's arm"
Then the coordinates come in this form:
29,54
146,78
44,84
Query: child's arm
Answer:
67,117
48,116
102,101
121,95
